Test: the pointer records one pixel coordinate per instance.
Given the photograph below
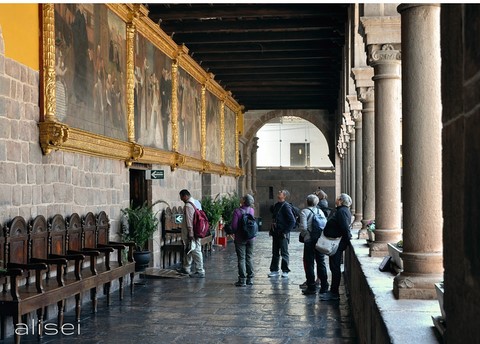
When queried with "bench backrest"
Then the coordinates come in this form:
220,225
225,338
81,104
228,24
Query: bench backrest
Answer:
39,236
18,241
103,228
74,230
58,234
89,225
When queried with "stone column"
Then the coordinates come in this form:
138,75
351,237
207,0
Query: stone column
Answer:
248,174
253,158
386,62
352,170
366,95
355,108
422,153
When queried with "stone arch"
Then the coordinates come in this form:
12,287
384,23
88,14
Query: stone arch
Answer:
319,118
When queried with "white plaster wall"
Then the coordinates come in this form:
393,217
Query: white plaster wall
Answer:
275,139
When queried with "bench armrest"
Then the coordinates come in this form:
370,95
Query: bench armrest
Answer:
14,274
59,262
76,257
38,267
131,246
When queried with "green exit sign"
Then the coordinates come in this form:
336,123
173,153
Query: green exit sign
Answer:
155,174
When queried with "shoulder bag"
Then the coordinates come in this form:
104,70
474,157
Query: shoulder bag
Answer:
327,245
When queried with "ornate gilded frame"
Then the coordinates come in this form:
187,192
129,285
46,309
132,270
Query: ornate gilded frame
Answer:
55,135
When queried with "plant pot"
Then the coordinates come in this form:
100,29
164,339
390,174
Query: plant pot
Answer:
142,259
371,236
394,251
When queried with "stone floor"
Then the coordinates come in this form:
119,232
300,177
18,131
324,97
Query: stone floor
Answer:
213,310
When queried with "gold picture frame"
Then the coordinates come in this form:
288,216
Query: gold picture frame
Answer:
74,118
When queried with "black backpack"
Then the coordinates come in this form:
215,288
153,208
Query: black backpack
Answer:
248,224
296,214
318,224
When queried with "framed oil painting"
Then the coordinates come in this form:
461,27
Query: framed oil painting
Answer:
230,137
153,95
213,134
90,65
189,95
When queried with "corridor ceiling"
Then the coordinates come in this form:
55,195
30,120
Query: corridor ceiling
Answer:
270,56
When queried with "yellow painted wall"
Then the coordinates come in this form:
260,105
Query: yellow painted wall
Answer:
20,25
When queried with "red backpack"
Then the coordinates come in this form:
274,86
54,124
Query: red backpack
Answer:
200,223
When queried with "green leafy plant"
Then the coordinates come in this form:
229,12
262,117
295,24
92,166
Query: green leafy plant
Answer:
139,224
371,226
213,208
229,203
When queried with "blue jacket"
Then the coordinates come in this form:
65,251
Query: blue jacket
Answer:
283,218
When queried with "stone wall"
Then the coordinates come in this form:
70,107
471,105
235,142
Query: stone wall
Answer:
63,182
461,164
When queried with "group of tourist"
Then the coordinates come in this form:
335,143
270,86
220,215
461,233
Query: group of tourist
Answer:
284,221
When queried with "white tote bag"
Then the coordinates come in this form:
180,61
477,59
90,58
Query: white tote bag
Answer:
327,245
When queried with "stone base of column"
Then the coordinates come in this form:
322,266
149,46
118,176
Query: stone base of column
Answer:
377,249
416,286
357,222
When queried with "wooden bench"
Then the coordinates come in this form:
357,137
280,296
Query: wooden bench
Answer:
173,248
35,253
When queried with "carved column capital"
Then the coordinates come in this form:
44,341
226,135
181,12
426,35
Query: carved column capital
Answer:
366,94
378,53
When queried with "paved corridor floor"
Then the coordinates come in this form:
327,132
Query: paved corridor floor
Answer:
213,310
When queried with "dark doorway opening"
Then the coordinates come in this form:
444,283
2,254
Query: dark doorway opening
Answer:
139,188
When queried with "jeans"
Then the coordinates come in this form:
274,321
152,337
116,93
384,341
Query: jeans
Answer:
335,263
245,259
279,248
310,256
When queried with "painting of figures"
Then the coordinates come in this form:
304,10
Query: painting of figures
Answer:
153,95
90,64
213,128
229,145
189,114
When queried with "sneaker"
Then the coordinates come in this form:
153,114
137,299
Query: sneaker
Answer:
323,290
249,281
198,275
285,274
329,296
240,284
303,285
309,292
273,274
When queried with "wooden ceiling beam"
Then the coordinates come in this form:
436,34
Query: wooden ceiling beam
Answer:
308,63
287,55
236,37
319,45
251,26
225,11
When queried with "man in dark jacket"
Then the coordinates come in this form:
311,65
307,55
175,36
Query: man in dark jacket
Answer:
338,226
283,222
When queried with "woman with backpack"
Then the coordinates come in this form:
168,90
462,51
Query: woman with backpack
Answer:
243,245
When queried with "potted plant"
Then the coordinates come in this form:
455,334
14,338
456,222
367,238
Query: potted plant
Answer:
229,203
213,208
371,230
138,225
